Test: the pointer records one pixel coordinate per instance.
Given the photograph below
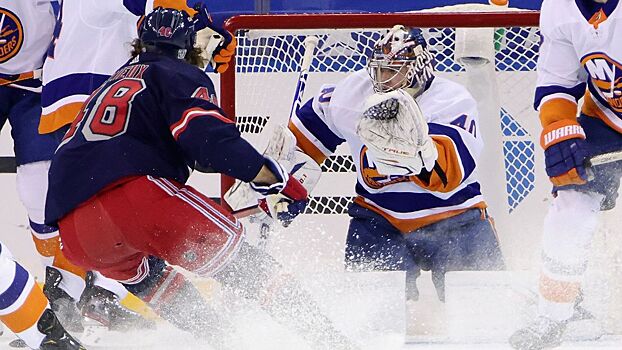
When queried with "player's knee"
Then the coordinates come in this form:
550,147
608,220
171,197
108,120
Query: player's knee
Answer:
32,185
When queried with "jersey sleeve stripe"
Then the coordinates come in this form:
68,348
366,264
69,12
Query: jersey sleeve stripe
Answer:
458,155
315,150
557,109
308,119
192,113
575,92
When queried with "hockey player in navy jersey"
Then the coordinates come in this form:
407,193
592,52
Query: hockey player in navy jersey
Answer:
118,195
414,140
31,23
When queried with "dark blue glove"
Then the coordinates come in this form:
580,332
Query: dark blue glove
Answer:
565,155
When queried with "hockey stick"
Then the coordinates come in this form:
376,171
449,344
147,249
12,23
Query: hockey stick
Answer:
310,44
601,159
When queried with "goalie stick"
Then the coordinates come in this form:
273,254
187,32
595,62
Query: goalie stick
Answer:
310,44
601,159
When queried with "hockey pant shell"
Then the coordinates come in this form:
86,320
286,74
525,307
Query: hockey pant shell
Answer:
116,231
22,108
466,241
600,139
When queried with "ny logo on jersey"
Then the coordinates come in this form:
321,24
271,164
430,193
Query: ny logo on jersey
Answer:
606,75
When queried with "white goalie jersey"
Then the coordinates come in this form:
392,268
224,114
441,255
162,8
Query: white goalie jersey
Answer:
408,202
580,50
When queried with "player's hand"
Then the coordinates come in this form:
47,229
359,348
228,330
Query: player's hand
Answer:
216,44
284,199
565,153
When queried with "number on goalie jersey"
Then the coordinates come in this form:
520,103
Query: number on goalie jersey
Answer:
407,218
580,56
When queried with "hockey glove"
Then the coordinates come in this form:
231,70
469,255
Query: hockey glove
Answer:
284,199
565,153
395,132
216,44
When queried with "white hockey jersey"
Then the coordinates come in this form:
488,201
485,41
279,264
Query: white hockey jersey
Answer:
581,46
25,33
331,117
92,39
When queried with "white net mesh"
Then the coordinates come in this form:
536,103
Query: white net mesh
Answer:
268,61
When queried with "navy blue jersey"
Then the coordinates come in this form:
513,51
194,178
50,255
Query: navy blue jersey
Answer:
155,116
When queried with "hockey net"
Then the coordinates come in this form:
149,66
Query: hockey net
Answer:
493,53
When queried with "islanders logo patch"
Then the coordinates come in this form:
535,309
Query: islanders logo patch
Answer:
606,77
372,177
11,35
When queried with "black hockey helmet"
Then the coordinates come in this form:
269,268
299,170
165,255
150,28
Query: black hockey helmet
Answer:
169,31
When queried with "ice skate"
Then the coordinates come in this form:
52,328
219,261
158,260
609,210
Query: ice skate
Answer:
61,303
56,337
104,307
542,333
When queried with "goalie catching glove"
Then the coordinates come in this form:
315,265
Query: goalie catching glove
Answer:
396,134
217,45
284,199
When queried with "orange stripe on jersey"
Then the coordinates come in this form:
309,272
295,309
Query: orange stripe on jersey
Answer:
449,161
47,247
174,4
305,145
59,118
28,314
409,225
557,109
62,263
558,291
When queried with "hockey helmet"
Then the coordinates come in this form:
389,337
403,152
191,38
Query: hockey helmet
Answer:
168,30
401,60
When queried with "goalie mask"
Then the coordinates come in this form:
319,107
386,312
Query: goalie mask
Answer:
401,60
